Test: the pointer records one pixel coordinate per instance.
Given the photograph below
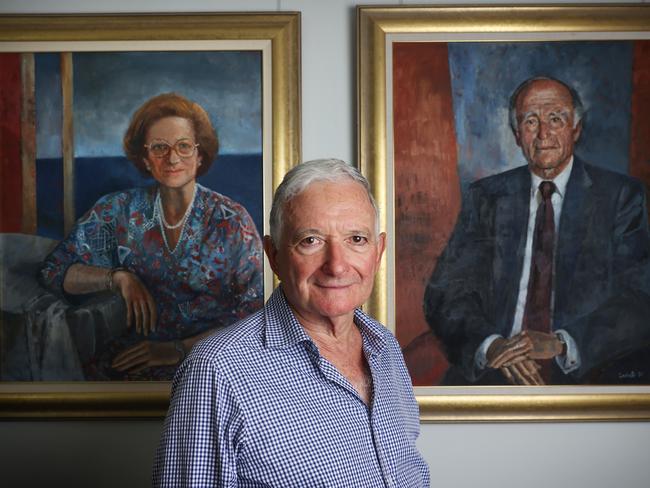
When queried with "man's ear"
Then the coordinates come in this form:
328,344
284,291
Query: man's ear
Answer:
577,130
517,139
271,253
381,246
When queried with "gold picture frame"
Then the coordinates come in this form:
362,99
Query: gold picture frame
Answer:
378,28
277,36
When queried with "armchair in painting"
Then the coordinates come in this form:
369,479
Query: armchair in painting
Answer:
45,336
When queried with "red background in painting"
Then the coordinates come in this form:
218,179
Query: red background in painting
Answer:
427,193
640,127
11,179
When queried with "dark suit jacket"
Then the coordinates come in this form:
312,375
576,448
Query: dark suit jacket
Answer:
602,269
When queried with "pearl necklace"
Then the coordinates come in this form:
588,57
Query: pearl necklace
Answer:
180,222
164,225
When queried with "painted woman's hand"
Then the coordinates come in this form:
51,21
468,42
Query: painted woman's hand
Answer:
140,306
146,354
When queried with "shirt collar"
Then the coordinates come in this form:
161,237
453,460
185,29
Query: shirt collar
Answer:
283,329
560,180
372,332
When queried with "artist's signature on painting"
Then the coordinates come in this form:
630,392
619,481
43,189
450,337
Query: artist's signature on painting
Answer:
630,375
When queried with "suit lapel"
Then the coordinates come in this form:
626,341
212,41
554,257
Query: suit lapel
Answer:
577,207
511,222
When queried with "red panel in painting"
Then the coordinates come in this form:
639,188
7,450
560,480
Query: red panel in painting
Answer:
639,137
10,166
427,192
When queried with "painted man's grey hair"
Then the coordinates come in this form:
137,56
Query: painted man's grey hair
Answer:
578,107
301,176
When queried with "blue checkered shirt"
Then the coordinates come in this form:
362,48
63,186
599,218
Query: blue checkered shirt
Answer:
257,405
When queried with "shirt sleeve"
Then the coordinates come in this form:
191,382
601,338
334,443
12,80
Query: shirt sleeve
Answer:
480,357
203,430
92,241
571,360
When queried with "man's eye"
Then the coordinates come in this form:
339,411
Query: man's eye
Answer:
309,241
359,239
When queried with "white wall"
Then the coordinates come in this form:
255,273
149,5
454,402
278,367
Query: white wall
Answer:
119,453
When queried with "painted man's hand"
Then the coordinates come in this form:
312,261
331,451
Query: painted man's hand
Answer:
503,352
544,346
529,344
524,372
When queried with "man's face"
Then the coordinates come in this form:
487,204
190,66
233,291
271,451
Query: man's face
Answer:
329,252
545,127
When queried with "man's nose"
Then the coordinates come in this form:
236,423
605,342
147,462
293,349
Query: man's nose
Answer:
544,130
335,260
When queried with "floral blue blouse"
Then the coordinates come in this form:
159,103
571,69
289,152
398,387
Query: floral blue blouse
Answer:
211,279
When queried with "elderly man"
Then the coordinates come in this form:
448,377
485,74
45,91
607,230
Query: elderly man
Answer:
309,391
546,278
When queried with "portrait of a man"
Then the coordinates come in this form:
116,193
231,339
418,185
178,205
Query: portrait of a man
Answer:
499,280
546,278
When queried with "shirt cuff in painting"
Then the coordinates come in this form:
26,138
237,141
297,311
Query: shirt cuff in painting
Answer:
571,360
480,357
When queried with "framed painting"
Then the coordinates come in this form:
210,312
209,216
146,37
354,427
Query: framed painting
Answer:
437,129
87,103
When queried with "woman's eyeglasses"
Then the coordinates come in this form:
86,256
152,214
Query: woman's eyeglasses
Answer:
161,149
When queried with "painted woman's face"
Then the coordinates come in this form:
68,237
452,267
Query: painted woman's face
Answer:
172,154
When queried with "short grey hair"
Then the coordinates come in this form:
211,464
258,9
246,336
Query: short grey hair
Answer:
301,176
578,107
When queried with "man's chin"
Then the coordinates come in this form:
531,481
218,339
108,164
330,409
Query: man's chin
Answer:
333,302
545,167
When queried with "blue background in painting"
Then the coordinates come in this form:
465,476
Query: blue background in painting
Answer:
109,87
49,104
49,166
483,76
231,175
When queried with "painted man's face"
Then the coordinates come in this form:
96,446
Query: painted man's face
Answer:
545,127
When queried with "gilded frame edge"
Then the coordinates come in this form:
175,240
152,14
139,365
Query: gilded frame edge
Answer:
373,25
283,31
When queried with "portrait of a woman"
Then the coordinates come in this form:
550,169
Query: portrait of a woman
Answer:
185,259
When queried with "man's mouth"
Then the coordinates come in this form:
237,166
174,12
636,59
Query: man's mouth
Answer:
334,286
546,148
